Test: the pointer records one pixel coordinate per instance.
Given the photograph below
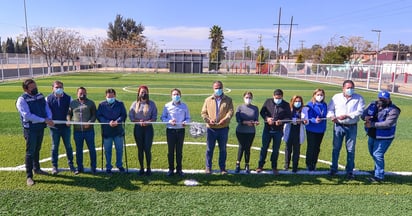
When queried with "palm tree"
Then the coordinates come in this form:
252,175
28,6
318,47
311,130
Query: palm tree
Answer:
216,53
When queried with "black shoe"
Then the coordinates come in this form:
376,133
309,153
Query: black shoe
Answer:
94,171
170,173
109,172
180,173
350,176
122,170
141,171
237,169
148,172
72,169
375,179
294,170
247,169
332,173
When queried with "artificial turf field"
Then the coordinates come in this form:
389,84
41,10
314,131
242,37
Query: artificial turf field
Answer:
233,194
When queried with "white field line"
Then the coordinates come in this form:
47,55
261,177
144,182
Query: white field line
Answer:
135,170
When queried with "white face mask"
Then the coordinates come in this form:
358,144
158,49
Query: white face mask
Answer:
277,101
319,98
247,101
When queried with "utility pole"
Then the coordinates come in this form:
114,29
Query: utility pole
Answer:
301,45
278,35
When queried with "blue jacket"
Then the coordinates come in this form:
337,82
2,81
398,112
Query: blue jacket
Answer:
383,123
33,110
112,112
315,110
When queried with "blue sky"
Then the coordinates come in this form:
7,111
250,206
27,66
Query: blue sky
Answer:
185,24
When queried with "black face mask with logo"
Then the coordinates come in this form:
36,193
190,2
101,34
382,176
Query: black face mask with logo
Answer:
34,91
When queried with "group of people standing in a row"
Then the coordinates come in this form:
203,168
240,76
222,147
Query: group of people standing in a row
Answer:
282,120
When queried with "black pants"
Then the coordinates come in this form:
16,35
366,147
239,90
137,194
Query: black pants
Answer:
143,135
34,139
245,143
312,152
175,138
293,146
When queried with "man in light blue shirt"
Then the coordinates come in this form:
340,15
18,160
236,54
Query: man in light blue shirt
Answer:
177,114
345,109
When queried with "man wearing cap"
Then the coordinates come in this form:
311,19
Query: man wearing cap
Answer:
345,109
380,123
274,112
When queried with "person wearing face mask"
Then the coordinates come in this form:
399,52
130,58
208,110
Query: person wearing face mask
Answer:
380,123
176,114
294,133
34,116
247,117
142,112
316,111
112,113
59,103
83,110
274,111
217,111
345,110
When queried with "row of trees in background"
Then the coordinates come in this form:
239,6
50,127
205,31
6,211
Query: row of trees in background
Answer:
125,39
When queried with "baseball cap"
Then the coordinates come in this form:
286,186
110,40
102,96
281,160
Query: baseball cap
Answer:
384,95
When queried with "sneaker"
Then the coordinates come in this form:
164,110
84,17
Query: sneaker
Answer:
141,172
40,172
180,173
72,169
29,182
237,169
350,176
259,169
170,173
375,179
148,172
208,171
122,170
223,172
275,171
54,171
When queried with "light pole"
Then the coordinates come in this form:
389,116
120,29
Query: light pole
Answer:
28,41
376,61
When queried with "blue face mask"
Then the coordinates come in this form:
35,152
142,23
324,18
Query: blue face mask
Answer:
58,91
176,98
218,92
277,101
297,104
110,100
349,91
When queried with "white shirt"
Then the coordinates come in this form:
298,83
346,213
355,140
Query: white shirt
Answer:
340,105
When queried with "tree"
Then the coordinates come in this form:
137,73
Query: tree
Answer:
125,39
217,52
56,44
262,56
10,48
339,55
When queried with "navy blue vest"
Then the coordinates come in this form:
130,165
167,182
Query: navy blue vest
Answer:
59,108
37,106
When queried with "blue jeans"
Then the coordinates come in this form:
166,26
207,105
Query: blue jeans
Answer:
220,135
349,133
118,145
267,137
377,149
79,138
56,134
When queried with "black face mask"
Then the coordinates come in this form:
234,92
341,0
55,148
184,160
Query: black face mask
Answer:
143,96
382,104
34,91
82,97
